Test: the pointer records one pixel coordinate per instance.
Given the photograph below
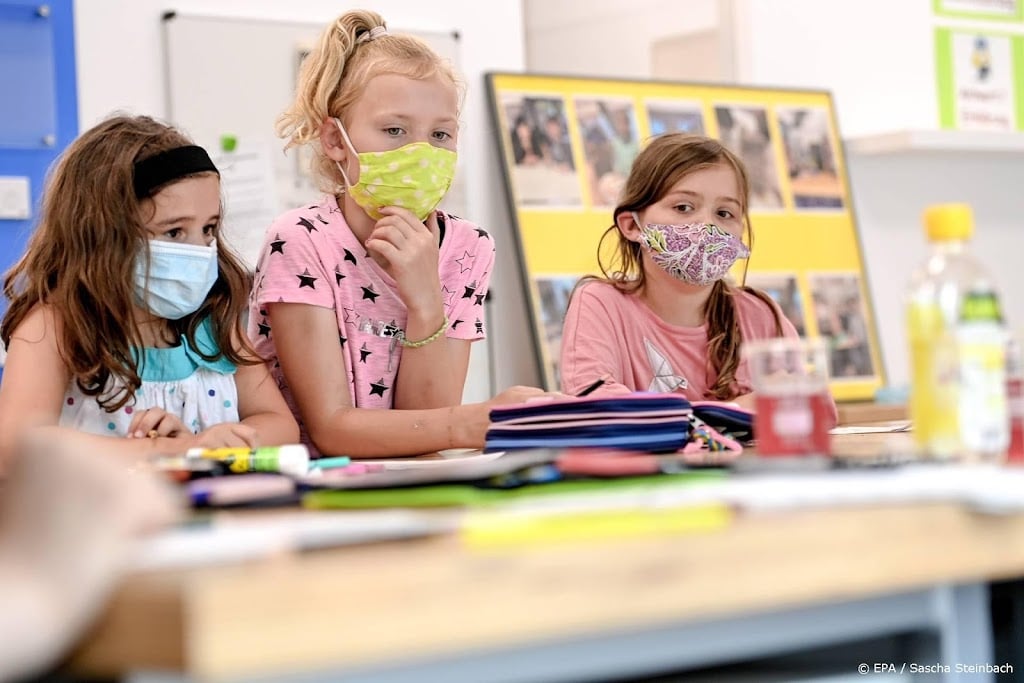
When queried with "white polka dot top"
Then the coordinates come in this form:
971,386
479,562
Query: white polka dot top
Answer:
201,393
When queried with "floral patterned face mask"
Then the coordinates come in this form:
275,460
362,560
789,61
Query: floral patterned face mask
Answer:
696,253
415,177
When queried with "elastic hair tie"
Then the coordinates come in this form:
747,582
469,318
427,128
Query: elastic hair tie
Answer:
160,169
372,34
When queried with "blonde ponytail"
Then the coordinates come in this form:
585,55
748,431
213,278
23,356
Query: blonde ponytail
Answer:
333,76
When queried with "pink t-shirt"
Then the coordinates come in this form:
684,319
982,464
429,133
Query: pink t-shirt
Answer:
310,256
609,333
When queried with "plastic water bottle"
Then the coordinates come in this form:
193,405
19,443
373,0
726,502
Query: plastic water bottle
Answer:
957,346
1015,396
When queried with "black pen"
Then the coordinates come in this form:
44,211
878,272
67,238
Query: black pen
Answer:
591,387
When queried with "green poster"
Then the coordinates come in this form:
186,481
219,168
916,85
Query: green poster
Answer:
983,10
977,80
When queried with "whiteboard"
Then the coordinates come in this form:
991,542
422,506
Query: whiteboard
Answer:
234,76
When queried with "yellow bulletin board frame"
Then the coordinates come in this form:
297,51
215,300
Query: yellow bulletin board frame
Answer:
566,144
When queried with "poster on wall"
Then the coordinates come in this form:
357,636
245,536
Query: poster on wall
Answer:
978,76
567,145
986,10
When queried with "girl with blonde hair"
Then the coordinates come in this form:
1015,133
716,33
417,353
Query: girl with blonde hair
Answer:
367,300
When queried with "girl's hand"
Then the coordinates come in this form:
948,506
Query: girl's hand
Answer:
156,422
407,250
480,416
521,394
226,435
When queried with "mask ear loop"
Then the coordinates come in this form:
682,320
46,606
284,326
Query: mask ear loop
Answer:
344,134
636,219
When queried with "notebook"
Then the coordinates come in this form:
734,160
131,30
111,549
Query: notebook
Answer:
413,472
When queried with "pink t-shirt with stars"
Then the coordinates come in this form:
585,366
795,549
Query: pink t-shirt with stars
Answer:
310,256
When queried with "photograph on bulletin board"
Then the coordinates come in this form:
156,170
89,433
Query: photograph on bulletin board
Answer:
841,319
810,158
668,116
607,127
784,289
543,166
567,144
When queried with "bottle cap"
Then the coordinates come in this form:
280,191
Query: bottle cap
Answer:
945,222
292,459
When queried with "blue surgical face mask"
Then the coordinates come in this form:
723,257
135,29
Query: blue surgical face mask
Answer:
180,278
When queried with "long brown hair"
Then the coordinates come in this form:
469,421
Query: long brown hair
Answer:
333,76
665,161
81,261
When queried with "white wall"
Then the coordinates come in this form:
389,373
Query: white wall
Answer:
120,66
607,37
874,55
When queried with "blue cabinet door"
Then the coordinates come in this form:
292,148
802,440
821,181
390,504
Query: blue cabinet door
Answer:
38,103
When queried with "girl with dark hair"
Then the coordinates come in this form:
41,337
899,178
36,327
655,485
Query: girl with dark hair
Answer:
126,311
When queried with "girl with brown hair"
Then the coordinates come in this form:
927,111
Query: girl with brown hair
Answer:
126,311
663,318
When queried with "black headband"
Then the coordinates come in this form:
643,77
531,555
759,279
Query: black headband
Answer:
164,167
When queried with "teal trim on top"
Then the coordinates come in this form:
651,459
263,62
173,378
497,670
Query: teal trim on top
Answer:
181,362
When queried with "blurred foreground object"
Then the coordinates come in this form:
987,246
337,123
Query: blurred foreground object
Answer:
68,518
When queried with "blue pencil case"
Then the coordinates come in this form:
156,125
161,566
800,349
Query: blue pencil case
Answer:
727,418
638,422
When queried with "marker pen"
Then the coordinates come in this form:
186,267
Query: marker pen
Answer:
291,459
253,488
181,469
590,388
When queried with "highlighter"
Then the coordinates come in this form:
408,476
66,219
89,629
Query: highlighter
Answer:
291,459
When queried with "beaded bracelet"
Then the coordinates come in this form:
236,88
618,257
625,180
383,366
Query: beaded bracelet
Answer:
400,335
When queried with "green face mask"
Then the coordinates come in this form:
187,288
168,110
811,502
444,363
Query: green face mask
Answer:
416,177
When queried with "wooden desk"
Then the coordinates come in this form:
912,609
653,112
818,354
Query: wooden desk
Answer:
434,610
865,413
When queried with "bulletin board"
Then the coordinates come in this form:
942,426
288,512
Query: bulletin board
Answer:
567,144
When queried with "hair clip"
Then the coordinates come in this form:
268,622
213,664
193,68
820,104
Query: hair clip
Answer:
372,34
